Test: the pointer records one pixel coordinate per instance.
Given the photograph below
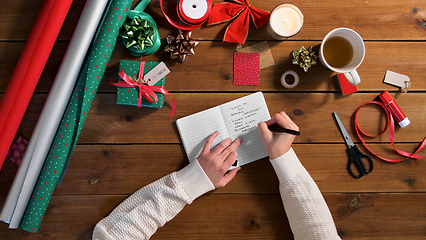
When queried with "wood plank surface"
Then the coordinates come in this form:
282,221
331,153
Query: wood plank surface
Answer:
97,170
218,74
241,216
108,122
123,148
374,20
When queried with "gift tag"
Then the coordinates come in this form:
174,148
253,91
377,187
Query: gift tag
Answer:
246,68
264,51
397,79
155,74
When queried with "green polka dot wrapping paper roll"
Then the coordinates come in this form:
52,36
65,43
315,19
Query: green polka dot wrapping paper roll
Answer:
129,96
76,113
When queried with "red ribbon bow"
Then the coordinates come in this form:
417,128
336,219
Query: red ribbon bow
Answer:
240,11
148,92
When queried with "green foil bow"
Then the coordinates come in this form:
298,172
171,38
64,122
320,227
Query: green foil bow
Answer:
180,46
140,32
305,58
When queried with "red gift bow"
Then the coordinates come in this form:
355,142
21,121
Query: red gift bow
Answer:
144,90
238,10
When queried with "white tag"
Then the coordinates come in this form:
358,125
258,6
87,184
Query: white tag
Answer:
156,73
397,79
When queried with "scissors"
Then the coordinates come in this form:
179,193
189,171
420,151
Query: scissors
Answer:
356,157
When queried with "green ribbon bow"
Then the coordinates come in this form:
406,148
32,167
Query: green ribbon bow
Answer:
140,32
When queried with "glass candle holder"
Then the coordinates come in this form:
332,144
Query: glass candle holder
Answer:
286,20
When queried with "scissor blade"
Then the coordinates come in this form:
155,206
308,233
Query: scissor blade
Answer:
342,128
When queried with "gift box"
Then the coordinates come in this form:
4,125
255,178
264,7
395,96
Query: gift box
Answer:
129,96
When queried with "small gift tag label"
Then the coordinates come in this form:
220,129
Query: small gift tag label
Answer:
263,49
397,79
246,68
157,73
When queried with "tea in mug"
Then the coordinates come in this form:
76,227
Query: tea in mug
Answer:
338,52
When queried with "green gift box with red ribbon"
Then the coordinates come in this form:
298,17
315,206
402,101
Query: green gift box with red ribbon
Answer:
134,90
130,95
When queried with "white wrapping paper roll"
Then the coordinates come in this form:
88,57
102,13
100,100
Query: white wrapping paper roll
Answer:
51,115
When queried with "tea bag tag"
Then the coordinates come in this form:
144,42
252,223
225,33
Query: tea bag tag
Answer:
156,73
396,79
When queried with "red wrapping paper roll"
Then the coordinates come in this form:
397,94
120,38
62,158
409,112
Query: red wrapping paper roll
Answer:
29,69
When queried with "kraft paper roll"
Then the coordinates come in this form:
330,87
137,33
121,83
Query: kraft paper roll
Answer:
76,113
50,117
29,69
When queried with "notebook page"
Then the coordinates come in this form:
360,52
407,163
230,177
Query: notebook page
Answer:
241,118
196,128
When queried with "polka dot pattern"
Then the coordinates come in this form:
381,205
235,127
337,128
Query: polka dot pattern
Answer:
129,96
246,68
266,59
76,113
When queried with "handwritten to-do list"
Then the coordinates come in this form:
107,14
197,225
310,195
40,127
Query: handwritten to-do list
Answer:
241,120
238,118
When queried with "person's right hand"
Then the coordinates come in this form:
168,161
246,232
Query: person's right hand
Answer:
216,162
277,144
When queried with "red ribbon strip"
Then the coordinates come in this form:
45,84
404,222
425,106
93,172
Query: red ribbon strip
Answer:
189,23
240,11
390,124
148,92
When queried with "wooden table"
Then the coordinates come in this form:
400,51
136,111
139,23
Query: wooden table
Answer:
123,148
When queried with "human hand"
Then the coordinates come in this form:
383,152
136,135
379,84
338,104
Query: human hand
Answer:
216,162
276,144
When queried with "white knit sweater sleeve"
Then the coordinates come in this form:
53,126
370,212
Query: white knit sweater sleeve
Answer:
306,209
141,214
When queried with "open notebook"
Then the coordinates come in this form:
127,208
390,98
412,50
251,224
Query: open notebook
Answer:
238,118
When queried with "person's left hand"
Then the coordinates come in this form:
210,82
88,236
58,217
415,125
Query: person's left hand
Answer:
216,162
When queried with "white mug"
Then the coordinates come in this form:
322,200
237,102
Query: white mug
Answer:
350,64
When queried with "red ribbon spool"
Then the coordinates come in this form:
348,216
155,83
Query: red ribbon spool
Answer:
189,23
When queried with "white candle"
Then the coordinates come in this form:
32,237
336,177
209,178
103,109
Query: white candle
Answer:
285,21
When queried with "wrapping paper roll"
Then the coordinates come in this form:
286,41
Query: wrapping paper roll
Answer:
50,117
29,69
76,113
